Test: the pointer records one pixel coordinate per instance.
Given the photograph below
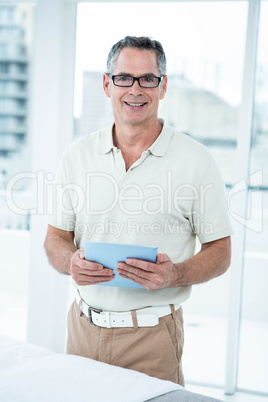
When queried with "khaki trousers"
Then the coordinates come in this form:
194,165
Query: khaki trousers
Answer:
156,351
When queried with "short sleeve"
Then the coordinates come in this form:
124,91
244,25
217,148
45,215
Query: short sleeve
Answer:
60,211
210,218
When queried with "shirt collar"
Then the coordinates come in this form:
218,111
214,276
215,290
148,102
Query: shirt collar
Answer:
158,148
106,140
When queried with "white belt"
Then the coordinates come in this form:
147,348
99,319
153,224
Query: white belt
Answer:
146,317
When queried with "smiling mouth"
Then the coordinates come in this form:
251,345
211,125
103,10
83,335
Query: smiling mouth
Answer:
135,104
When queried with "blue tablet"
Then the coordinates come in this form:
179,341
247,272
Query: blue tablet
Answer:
109,254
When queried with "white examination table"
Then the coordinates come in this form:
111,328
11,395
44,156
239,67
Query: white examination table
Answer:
33,374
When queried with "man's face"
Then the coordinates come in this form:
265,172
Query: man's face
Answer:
135,105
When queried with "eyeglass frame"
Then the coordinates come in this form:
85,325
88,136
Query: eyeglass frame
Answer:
135,79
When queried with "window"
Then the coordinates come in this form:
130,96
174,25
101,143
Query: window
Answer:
7,14
3,50
4,86
21,68
205,71
21,50
15,157
254,320
205,66
4,122
4,68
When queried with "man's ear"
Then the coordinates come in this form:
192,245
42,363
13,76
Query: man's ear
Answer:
163,87
106,84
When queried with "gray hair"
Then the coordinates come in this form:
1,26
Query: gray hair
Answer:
142,43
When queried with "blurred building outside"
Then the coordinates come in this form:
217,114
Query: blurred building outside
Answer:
16,25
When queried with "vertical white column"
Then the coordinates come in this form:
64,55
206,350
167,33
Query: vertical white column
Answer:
239,206
51,126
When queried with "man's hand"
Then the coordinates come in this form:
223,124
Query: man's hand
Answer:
152,276
212,260
86,272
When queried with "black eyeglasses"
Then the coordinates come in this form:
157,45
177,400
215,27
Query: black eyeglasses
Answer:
148,81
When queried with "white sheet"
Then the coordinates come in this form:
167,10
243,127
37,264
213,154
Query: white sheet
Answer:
32,374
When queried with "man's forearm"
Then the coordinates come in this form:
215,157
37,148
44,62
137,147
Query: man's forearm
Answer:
210,262
59,252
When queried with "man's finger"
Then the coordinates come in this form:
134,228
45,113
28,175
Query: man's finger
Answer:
102,272
81,254
93,280
89,265
137,279
162,258
138,272
145,265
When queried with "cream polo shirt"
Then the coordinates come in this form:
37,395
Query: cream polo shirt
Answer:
172,194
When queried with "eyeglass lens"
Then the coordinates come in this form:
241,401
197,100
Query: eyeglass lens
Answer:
125,81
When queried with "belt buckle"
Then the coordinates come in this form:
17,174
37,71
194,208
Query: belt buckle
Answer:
90,309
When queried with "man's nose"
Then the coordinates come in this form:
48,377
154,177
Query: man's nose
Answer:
135,89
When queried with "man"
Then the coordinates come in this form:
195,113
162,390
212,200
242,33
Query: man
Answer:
137,182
